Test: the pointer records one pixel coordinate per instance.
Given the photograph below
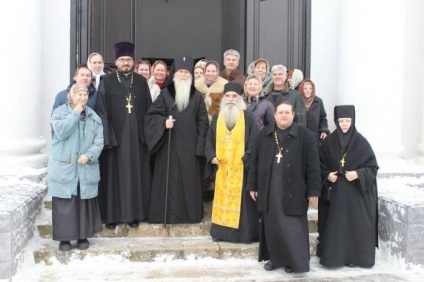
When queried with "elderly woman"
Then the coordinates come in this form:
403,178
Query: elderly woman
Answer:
316,117
143,68
347,209
96,64
74,170
262,110
212,87
159,70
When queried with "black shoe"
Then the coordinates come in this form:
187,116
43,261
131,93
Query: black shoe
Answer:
110,225
83,244
133,224
65,246
288,269
350,265
269,266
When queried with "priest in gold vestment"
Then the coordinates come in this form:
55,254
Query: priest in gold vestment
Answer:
229,143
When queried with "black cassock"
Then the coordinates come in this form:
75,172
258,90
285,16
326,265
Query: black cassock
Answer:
185,203
283,190
124,188
248,230
347,224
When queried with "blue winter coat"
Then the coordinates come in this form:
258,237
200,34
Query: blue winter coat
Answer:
73,138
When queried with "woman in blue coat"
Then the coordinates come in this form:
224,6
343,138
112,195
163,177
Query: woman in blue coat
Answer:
74,170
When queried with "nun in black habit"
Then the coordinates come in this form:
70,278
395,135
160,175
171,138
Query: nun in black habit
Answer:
347,222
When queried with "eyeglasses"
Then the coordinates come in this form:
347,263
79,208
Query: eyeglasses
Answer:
123,60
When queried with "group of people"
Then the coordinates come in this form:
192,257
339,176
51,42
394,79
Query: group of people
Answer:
138,143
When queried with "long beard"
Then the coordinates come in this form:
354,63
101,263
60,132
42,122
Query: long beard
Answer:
232,112
182,93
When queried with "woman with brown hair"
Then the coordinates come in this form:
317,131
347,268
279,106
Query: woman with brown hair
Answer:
143,68
212,87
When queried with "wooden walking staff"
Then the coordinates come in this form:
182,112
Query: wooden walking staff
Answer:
167,173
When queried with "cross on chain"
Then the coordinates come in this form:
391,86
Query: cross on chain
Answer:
278,156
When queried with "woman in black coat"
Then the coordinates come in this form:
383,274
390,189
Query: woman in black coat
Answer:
316,117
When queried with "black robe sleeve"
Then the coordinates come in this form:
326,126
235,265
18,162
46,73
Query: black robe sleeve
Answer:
154,126
251,134
202,126
210,149
102,111
252,176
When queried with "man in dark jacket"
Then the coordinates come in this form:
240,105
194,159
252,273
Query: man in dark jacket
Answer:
231,63
279,91
284,176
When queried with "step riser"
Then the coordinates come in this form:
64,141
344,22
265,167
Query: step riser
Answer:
144,252
155,230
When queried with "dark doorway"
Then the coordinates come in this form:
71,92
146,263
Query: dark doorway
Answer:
274,29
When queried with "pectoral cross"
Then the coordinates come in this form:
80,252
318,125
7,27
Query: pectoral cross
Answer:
129,106
343,160
278,156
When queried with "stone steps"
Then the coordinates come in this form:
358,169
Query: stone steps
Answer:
155,230
153,249
152,242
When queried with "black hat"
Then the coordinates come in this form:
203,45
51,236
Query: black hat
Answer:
183,63
232,86
344,111
124,49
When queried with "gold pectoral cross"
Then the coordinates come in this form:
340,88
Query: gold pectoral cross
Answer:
278,156
342,161
129,106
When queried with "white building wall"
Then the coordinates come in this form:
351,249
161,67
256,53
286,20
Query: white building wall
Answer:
359,48
30,69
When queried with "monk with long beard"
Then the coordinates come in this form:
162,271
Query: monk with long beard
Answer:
229,144
186,132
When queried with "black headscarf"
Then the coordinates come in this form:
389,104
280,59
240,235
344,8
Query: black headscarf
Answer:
345,111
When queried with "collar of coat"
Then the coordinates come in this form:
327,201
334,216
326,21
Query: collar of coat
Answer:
230,76
294,130
171,90
216,88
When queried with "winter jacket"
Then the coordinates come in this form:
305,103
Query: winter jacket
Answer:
74,137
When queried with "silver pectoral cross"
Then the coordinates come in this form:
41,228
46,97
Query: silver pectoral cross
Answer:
278,156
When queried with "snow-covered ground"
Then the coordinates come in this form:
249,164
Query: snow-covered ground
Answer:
408,190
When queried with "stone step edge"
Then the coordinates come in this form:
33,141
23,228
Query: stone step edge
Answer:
155,230
153,249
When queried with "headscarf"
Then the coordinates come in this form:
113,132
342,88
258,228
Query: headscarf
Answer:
307,101
210,82
77,87
96,77
296,77
345,111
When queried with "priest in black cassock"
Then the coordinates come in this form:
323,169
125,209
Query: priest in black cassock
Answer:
122,102
229,145
347,223
284,176
186,132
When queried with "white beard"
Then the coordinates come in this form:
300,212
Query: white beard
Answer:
232,112
182,93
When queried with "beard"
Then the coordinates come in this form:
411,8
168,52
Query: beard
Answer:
232,112
182,93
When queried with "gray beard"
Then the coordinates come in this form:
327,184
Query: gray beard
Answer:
232,112
182,93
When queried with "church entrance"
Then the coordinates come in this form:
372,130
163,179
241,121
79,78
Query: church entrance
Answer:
277,30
